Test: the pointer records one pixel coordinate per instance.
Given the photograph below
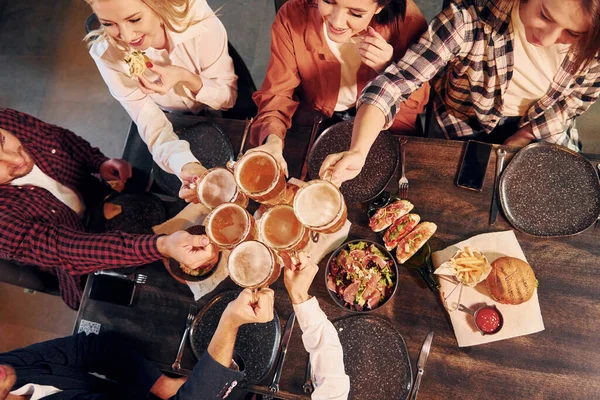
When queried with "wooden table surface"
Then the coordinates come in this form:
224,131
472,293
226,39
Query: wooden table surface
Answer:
563,361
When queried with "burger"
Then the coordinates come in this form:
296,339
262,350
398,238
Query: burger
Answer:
511,281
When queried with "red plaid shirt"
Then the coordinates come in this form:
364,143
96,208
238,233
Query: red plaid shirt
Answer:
37,228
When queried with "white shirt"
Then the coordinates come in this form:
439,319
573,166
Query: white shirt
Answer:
533,72
326,354
201,49
349,57
35,391
37,178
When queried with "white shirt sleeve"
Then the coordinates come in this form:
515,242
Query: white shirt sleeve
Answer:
326,354
170,153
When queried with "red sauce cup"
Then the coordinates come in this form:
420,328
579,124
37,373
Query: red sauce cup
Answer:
487,319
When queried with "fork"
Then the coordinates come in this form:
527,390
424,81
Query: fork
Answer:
188,324
137,278
403,182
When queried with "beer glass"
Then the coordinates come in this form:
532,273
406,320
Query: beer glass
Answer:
259,176
319,205
253,265
229,225
217,186
280,230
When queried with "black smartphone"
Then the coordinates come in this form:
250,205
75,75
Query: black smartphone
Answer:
112,289
474,165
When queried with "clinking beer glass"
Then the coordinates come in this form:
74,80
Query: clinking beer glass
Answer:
319,205
253,265
259,176
280,230
229,225
217,186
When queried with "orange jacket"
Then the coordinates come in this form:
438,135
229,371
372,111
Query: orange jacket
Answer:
303,70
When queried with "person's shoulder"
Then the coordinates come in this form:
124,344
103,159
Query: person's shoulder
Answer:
102,51
295,11
200,21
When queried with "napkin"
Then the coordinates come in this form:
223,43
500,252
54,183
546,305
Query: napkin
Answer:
192,215
519,320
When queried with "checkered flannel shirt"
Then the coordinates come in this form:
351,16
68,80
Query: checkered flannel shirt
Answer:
474,39
38,229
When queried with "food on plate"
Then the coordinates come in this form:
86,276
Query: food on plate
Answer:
362,276
471,266
386,216
111,210
399,229
204,269
136,61
116,185
411,243
511,281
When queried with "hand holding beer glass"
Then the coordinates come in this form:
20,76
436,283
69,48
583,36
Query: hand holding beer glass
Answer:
229,225
320,206
280,230
299,277
217,186
244,311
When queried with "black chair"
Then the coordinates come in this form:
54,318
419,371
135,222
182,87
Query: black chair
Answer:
278,4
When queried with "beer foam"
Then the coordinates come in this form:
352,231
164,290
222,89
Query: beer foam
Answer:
250,264
217,187
317,204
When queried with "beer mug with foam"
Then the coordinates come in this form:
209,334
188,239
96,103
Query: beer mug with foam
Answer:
319,205
253,265
229,225
217,186
258,175
280,230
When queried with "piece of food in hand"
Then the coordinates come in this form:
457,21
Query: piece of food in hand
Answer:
111,210
468,266
116,185
386,216
136,61
411,243
399,229
511,281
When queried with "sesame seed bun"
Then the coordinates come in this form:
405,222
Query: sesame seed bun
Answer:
511,281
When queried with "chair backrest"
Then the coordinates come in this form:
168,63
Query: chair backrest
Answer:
91,23
278,4
244,106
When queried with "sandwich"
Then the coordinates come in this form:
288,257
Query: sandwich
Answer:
136,61
411,243
511,281
400,228
386,216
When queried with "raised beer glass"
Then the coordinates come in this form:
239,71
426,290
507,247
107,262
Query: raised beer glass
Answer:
229,225
319,205
280,230
217,186
259,176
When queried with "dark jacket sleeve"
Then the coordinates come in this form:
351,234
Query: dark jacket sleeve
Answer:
104,354
209,380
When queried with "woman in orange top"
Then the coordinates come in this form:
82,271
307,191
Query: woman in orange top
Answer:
323,52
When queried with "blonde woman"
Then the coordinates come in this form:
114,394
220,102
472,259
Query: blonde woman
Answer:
187,68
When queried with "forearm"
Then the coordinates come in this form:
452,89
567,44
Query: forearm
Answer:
223,342
368,123
192,81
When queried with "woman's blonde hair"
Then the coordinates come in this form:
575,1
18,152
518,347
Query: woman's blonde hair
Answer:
173,14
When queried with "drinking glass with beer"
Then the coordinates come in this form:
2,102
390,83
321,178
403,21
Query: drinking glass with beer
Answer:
253,265
217,186
280,230
229,225
260,177
319,205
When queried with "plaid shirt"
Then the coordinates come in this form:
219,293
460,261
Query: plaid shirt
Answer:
474,39
37,228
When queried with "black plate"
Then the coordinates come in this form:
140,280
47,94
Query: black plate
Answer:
140,213
175,266
378,170
209,144
549,190
375,358
256,344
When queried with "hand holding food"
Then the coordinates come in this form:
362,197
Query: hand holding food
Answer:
193,251
511,281
168,77
298,278
243,311
385,216
115,169
341,167
188,188
375,51
274,146
468,266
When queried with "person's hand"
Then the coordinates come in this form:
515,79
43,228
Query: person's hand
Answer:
166,387
274,146
170,76
521,138
341,167
115,169
375,51
243,311
189,172
193,251
298,278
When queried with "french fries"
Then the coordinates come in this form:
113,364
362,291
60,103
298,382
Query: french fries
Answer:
470,266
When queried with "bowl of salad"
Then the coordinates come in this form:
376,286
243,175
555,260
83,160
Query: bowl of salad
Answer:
361,276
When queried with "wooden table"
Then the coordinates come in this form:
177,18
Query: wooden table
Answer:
561,362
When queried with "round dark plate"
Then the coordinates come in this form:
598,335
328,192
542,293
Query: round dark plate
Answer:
375,358
549,190
256,344
209,144
140,213
175,266
341,302
378,170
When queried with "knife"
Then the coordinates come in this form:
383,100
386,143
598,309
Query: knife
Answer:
245,134
500,153
421,364
287,334
313,134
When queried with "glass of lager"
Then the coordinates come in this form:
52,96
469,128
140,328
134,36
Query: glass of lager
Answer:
258,175
217,186
319,205
229,225
280,230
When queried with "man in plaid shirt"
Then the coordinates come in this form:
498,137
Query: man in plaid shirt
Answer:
475,40
38,228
